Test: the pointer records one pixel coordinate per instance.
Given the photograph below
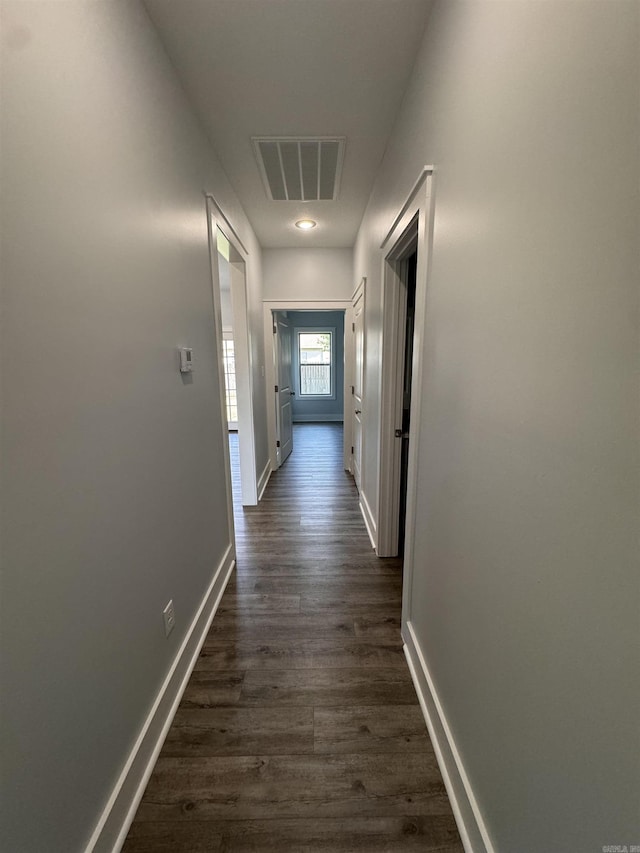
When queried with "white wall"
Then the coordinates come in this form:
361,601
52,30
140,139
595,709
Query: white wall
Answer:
525,595
113,485
293,274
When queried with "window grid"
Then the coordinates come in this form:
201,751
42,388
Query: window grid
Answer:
228,357
315,363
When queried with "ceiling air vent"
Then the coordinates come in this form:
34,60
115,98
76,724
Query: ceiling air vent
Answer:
300,168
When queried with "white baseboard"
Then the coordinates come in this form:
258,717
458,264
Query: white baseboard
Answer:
117,816
264,479
307,419
369,520
471,826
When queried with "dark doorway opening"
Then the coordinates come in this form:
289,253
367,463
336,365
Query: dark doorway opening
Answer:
410,286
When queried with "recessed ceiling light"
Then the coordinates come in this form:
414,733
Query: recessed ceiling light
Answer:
305,224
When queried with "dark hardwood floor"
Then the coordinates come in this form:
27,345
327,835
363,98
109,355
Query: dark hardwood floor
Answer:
300,729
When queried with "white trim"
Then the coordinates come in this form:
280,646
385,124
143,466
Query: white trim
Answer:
216,219
308,304
361,285
316,419
418,208
244,384
471,825
270,305
426,171
360,293
216,299
347,403
264,479
391,396
211,198
270,384
425,244
369,521
119,811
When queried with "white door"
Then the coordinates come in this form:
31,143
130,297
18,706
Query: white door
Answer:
284,391
358,381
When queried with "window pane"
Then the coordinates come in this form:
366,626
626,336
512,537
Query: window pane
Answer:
315,380
230,379
314,351
315,348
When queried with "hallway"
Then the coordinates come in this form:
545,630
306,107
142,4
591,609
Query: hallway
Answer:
300,729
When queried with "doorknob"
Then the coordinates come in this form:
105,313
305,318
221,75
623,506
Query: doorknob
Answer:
358,411
292,393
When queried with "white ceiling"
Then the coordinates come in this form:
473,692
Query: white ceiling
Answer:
295,68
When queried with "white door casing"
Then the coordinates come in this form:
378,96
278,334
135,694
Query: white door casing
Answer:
212,226
394,332
239,261
358,331
414,224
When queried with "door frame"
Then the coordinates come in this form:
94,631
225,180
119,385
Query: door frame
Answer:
412,227
216,219
392,382
269,364
360,291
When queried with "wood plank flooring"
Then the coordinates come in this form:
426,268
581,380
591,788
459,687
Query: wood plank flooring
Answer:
300,729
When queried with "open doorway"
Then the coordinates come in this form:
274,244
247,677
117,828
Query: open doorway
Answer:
400,315
409,299
309,355
305,355
229,268
235,356
406,259
225,273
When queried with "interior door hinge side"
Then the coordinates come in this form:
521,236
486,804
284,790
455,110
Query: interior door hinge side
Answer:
277,444
353,327
353,390
277,389
352,449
